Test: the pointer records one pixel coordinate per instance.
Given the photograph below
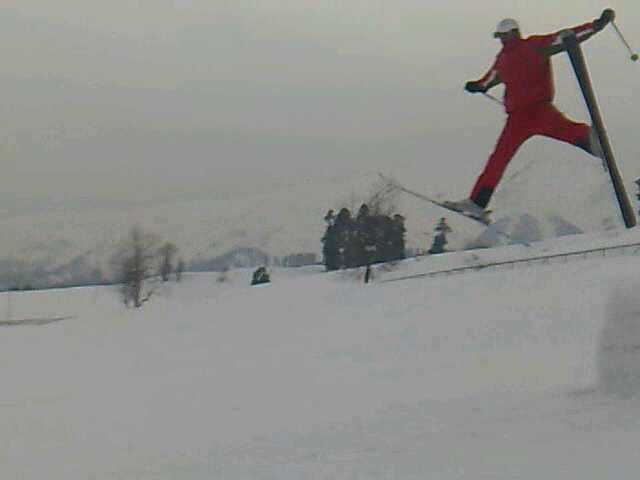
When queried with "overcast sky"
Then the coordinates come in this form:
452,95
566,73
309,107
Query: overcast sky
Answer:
153,99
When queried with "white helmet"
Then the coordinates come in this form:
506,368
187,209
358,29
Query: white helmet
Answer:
505,26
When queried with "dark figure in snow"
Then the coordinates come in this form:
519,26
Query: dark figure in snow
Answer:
260,276
524,67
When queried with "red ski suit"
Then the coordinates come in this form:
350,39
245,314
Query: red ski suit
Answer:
524,66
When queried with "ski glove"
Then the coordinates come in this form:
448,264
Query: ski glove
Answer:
607,17
474,87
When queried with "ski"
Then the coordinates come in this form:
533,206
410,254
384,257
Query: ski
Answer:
482,221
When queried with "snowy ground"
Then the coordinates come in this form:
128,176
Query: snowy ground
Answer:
487,375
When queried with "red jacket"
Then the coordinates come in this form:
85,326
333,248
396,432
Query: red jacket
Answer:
524,66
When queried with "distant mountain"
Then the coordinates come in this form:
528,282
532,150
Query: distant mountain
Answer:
524,228
527,229
37,274
562,227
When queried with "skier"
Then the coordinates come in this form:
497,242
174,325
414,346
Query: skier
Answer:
524,66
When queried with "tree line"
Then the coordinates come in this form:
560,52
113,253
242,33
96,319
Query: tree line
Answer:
367,238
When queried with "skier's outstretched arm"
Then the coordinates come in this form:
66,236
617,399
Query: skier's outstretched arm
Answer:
552,44
488,80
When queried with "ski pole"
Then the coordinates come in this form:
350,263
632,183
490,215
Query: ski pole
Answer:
634,56
492,98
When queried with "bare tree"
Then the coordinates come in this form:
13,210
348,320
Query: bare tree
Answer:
223,276
180,269
134,263
167,253
382,198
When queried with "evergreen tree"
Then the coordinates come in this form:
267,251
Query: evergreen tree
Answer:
364,238
344,226
440,239
398,242
330,217
330,249
383,238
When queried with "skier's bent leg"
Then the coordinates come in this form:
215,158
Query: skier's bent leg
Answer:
511,138
581,135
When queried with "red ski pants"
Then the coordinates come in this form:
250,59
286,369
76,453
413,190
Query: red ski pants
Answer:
541,119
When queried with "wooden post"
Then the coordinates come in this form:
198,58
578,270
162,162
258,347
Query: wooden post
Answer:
580,68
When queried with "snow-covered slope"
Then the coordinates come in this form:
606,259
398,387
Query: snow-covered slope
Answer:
493,374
